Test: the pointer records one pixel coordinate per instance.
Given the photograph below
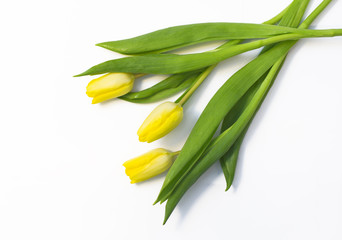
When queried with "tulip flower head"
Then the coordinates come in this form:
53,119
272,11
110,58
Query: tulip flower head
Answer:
162,120
149,164
110,86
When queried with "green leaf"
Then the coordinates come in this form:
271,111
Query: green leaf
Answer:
180,36
162,90
173,63
228,162
221,103
219,146
226,139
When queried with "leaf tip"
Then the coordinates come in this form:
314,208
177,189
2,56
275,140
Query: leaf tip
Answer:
103,44
79,75
107,45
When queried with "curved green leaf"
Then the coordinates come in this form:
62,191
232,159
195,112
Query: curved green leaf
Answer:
184,35
226,138
173,63
229,161
219,146
218,107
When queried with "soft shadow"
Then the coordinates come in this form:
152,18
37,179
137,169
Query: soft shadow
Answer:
197,190
109,102
239,165
325,12
156,178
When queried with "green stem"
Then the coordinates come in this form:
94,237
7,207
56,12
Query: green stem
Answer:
306,23
198,82
323,33
231,51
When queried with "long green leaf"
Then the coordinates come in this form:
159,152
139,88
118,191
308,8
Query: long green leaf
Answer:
228,162
221,144
173,63
180,36
227,137
222,102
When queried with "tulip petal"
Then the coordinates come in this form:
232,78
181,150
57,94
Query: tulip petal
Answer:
148,165
145,158
162,120
109,86
154,168
113,94
167,126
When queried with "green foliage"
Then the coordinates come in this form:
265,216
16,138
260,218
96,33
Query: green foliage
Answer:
162,90
185,35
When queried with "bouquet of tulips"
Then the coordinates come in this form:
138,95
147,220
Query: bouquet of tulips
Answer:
232,107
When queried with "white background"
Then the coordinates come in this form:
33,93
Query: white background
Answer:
61,173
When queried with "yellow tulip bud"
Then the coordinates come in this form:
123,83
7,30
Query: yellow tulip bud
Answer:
149,164
109,86
162,120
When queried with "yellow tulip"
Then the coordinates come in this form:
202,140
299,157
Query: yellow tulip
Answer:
149,164
110,86
162,120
